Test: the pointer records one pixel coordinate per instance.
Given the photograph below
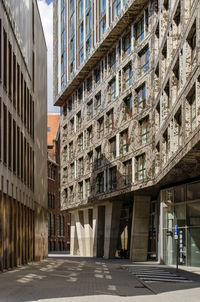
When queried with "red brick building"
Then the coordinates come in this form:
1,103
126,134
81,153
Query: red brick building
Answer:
58,222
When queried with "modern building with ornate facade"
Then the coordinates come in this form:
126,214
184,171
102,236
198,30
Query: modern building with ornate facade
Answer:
23,144
127,79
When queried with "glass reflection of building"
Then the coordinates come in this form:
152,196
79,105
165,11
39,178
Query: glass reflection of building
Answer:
181,207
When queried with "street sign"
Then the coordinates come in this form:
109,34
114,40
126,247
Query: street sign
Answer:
177,247
176,232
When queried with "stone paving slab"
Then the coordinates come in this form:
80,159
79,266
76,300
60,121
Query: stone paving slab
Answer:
70,279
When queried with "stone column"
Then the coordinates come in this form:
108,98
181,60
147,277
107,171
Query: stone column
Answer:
88,234
79,218
112,221
94,231
73,237
108,220
114,232
160,236
101,231
140,228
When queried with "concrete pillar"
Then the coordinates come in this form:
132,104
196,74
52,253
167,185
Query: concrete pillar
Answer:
160,238
101,231
74,249
88,234
114,230
112,222
108,220
140,228
94,231
79,218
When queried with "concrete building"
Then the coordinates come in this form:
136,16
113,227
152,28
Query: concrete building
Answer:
58,221
23,145
127,79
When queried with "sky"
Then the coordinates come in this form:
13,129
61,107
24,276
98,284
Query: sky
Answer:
46,13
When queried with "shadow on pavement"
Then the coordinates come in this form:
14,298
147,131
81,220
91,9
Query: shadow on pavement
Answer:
62,276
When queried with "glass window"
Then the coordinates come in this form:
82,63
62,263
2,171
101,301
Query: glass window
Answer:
80,94
98,157
100,183
71,6
89,84
193,214
80,142
113,89
97,74
141,96
88,23
87,4
81,167
102,26
90,110
110,120
113,177
193,247
72,25
192,101
179,194
124,142
80,10
88,187
102,6
88,45
139,30
193,191
90,161
128,106
145,130
180,215
89,136
100,124
128,76
127,43
112,59
62,19
144,60
98,103
81,34
81,55
128,172
112,142
72,49
140,167
116,8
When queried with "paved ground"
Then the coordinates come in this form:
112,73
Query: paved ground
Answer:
73,279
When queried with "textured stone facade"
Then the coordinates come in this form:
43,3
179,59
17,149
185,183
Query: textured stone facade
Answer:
144,133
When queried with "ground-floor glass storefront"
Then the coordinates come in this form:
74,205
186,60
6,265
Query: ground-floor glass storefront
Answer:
181,207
